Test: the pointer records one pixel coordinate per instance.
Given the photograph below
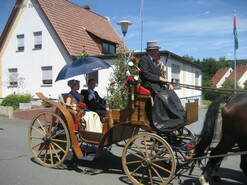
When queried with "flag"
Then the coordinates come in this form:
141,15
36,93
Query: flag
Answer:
235,33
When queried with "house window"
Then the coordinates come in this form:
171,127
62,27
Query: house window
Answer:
197,78
94,75
108,48
47,75
13,77
20,42
37,40
175,74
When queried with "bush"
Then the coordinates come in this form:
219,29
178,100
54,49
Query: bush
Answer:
47,104
13,100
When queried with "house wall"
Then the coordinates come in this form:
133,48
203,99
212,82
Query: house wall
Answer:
187,76
222,80
242,80
30,61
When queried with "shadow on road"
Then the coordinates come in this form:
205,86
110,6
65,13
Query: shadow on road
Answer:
108,163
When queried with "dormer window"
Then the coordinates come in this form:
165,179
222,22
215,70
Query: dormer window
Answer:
37,40
20,42
108,48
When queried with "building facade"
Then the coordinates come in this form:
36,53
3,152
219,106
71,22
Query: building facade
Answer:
39,39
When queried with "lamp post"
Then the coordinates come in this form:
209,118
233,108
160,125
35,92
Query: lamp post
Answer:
124,27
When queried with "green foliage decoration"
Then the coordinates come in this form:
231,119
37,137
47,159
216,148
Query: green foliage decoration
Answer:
47,104
117,90
84,54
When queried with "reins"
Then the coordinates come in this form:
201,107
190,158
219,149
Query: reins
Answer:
213,89
216,156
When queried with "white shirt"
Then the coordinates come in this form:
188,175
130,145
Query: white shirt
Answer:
91,94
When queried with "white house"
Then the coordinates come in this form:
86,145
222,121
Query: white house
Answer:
40,37
241,76
223,75
220,76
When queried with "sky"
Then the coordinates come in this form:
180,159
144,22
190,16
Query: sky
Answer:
198,28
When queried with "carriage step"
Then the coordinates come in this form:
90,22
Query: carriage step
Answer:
89,157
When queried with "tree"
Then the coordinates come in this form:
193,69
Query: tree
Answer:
230,85
117,91
191,58
125,75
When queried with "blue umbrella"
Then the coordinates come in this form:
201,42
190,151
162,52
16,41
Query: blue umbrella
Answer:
82,66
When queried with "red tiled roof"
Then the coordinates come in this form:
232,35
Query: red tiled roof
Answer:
72,25
72,22
219,75
240,70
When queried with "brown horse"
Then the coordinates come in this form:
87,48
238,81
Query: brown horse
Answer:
234,131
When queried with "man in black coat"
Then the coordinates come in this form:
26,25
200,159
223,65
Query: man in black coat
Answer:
167,113
92,99
150,73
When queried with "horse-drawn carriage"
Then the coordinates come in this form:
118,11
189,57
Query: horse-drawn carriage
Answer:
149,156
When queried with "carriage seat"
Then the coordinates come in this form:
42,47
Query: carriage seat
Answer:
62,98
142,90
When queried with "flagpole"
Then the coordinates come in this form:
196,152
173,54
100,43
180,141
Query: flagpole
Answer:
141,15
235,69
235,33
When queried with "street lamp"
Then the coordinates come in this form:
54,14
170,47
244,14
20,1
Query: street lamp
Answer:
124,27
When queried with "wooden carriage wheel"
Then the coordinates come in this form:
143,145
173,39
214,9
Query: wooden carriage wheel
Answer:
49,139
148,159
187,136
185,147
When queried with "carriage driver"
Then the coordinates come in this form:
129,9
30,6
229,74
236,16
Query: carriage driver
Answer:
167,111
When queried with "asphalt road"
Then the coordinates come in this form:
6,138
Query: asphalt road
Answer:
17,166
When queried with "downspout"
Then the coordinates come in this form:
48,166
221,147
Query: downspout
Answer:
166,61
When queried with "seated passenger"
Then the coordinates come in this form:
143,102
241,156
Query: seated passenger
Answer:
91,118
92,99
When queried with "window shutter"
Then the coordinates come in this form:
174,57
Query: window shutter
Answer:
20,40
47,73
175,71
37,38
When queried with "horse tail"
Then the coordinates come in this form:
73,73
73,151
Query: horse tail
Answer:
207,133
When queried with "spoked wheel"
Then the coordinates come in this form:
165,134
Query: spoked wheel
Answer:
49,139
185,147
148,159
187,136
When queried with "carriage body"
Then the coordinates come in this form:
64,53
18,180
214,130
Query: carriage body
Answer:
53,139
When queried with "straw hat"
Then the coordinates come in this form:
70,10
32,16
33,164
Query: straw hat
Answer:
152,45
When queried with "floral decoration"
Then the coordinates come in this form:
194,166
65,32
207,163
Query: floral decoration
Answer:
80,112
80,108
132,73
162,69
132,79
